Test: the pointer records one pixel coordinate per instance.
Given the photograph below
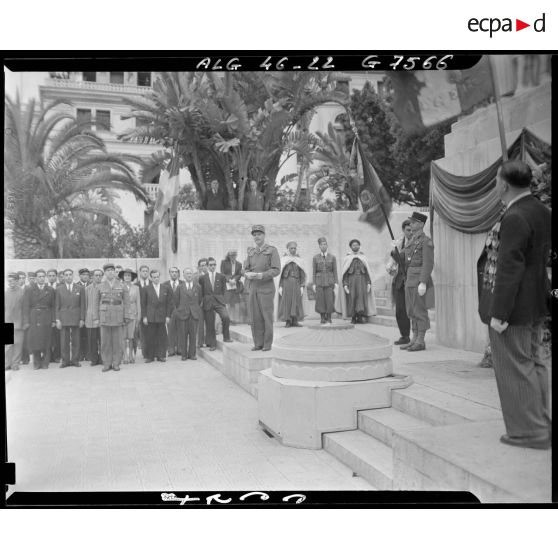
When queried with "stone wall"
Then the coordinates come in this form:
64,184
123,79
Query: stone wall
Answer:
77,263
213,233
473,145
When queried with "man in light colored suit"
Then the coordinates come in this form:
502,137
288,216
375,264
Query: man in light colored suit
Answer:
188,313
92,324
514,292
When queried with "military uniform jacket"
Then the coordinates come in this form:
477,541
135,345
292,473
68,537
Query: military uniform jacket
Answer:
264,260
70,304
189,301
112,304
419,262
324,270
38,313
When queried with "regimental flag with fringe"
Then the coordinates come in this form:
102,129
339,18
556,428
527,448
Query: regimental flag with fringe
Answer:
428,97
374,199
167,196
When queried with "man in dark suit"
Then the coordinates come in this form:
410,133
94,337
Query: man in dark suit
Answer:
38,316
214,287
513,300
52,277
84,280
173,283
70,316
215,198
143,281
188,313
156,310
202,270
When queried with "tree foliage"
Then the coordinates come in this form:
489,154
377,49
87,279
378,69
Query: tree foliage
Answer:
58,179
233,128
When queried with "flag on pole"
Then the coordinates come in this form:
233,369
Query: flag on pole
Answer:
374,199
167,195
428,97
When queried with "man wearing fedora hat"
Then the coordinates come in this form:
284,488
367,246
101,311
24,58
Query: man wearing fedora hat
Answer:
111,310
419,289
262,265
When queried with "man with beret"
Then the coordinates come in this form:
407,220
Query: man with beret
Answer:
52,278
324,280
84,280
13,314
91,325
419,288
262,265
514,291
38,317
111,310
70,316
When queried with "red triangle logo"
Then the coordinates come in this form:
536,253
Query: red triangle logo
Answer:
519,25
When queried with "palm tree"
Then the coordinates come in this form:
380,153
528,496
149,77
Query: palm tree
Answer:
338,171
236,127
54,168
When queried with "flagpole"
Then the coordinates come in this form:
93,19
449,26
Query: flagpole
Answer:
500,118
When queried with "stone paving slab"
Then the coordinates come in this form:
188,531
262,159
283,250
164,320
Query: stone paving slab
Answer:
163,426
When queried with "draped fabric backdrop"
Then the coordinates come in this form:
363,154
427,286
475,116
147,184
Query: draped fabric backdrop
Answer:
470,204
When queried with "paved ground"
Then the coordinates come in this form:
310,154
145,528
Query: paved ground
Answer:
172,426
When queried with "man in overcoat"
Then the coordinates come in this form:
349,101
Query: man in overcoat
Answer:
38,316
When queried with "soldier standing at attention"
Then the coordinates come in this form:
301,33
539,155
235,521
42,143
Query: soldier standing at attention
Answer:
419,289
110,312
262,265
324,279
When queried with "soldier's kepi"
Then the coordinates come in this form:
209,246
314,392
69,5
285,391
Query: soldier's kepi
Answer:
111,311
262,265
419,289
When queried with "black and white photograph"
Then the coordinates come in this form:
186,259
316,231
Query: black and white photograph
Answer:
293,274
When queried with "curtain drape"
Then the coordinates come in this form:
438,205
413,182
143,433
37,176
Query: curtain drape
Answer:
471,204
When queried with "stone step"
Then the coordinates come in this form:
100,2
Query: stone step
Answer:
215,358
389,320
385,310
440,408
382,301
383,423
469,456
369,458
382,293
241,337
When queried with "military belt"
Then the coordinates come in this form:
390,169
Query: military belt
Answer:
111,302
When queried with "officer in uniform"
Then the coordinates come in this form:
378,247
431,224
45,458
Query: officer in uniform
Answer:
110,311
262,265
419,289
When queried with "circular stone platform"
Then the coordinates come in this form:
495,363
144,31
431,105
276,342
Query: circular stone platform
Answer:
332,353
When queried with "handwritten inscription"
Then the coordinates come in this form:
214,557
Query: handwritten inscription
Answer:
219,499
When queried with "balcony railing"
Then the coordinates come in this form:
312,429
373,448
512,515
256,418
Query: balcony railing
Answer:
152,190
97,86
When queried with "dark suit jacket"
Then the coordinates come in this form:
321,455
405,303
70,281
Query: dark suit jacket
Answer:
216,296
216,201
174,293
521,286
156,309
70,306
189,302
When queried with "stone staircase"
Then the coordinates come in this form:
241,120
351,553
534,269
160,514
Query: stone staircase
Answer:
386,312
433,440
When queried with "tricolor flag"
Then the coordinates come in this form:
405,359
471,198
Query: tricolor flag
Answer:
169,185
428,97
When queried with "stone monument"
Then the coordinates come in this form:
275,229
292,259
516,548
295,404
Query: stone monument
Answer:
320,377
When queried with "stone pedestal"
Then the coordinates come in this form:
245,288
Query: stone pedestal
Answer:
320,377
